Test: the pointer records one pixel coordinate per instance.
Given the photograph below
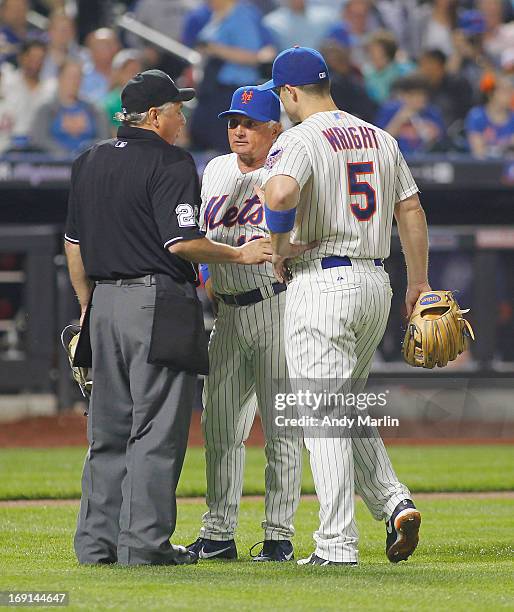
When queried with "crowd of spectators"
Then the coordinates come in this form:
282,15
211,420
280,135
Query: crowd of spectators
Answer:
438,75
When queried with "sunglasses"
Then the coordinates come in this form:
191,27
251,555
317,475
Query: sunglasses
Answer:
249,124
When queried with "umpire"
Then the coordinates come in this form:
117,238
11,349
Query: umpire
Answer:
131,235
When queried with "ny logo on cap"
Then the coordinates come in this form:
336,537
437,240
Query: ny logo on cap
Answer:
120,144
322,75
246,96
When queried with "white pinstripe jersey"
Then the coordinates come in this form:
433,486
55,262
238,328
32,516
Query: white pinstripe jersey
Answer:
232,214
351,174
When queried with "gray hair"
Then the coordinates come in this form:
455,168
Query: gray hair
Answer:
135,119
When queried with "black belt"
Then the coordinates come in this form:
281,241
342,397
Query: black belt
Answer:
334,261
147,280
252,297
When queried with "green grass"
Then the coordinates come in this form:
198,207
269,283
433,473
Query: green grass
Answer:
55,473
464,562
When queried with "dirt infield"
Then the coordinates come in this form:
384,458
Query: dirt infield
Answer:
30,503
69,429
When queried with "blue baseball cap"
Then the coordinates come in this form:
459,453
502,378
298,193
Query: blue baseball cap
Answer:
297,66
339,35
253,103
471,22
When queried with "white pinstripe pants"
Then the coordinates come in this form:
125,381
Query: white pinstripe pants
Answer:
334,321
247,359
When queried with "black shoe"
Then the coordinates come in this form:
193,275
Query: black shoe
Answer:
402,531
274,550
213,549
315,560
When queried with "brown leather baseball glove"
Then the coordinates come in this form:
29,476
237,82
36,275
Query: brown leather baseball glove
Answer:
437,332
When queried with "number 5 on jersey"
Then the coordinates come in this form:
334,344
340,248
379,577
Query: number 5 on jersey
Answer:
360,187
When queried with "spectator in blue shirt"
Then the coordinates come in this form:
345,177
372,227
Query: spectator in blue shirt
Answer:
67,124
490,128
235,36
198,18
13,30
194,23
297,23
235,44
418,127
102,45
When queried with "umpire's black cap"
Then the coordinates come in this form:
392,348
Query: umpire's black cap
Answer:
152,88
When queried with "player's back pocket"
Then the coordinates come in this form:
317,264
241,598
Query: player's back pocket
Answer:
343,285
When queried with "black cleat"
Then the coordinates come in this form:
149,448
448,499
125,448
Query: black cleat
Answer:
213,549
315,560
274,550
402,531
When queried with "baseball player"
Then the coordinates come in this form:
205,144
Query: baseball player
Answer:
246,350
336,179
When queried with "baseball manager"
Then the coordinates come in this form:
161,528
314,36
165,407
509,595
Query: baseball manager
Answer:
246,348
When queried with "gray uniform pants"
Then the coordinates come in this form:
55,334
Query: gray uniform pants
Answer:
138,427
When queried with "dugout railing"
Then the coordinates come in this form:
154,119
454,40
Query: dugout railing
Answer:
28,338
